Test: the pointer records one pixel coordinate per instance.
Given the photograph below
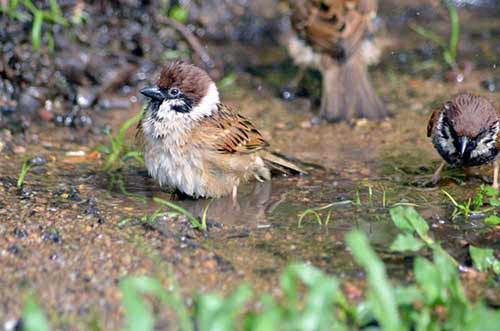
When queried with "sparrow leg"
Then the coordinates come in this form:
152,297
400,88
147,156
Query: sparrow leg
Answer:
234,198
235,193
495,174
437,174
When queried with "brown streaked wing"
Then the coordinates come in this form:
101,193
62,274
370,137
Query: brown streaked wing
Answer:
432,121
227,132
330,26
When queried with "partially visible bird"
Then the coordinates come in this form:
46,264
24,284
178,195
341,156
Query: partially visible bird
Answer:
197,145
465,132
334,37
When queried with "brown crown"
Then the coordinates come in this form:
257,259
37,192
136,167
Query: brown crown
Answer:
191,80
470,113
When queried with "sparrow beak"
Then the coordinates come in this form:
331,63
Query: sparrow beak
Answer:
462,145
153,93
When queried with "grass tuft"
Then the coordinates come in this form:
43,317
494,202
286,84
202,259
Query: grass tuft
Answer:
196,223
14,9
119,151
25,168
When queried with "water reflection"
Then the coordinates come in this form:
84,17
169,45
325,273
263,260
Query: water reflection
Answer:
251,208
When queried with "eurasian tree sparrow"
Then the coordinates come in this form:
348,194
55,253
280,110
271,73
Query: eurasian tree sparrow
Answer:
465,133
199,146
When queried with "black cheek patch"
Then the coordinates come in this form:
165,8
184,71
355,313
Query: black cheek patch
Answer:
185,107
154,106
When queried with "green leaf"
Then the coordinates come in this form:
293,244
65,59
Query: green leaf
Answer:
138,314
484,259
489,191
398,216
408,220
429,278
267,319
215,313
494,202
406,242
479,318
492,220
478,200
381,292
179,13
407,295
33,317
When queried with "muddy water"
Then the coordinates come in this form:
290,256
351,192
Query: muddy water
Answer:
64,237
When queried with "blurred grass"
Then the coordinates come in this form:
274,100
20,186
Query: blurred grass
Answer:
450,47
313,300
18,10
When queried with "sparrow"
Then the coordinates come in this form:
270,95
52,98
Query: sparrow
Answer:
333,36
465,133
197,145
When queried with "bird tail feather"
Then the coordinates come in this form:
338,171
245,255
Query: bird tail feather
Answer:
285,164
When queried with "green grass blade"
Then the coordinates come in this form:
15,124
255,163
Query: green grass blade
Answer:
36,30
204,216
195,223
455,30
428,34
131,121
308,212
33,317
380,290
25,168
54,8
31,7
139,316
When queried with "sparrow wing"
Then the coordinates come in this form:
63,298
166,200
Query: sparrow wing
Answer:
432,121
227,132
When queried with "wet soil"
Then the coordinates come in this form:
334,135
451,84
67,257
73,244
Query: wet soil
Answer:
70,236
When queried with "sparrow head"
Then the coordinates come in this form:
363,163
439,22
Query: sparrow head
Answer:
467,130
183,90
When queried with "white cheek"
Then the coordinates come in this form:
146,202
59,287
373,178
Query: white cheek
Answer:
446,143
207,105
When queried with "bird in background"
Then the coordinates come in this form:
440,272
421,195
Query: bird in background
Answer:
197,145
465,132
334,37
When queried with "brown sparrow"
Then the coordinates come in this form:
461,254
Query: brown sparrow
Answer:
197,145
465,133
332,36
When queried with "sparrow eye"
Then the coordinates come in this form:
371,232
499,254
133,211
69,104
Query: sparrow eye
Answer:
174,92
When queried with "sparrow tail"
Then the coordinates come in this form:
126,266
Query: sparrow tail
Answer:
348,92
284,164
